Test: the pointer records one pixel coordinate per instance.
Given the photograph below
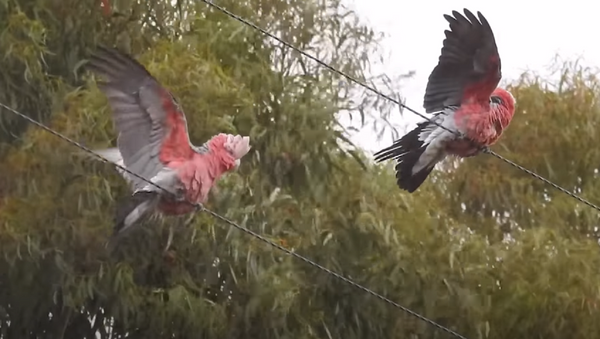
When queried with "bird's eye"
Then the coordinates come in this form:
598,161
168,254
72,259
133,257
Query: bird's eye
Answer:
496,100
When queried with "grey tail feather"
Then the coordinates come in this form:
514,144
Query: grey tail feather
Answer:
133,209
111,154
129,212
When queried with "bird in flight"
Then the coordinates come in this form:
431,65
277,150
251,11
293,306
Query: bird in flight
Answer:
153,142
462,93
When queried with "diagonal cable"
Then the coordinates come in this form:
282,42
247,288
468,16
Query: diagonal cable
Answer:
541,178
241,228
364,85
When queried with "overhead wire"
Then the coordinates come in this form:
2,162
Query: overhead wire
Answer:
385,96
201,208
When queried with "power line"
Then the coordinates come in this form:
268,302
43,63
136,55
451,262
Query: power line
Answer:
362,84
539,177
241,228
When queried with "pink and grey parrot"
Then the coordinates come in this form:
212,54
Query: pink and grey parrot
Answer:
462,92
153,142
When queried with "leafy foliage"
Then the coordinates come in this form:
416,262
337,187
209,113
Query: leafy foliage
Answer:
481,248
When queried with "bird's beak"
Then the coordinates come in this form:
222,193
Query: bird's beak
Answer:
237,163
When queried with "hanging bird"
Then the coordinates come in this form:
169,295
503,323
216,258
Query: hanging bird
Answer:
462,92
153,142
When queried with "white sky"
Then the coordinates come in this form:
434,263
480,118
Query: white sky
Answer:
528,33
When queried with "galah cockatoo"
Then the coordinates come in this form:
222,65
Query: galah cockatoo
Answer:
153,142
462,92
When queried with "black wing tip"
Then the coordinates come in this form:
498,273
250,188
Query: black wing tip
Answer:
385,153
484,22
103,54
454,17
106,50
98,59
468,13
112,63
449,17
467,16
467,31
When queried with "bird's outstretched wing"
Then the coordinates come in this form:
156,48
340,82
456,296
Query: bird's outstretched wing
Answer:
152,129
469,66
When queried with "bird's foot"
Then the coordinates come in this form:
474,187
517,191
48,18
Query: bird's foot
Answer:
476,149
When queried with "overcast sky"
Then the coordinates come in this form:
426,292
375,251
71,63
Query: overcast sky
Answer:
528,35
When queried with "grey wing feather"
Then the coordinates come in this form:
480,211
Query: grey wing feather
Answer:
469,57
135,97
